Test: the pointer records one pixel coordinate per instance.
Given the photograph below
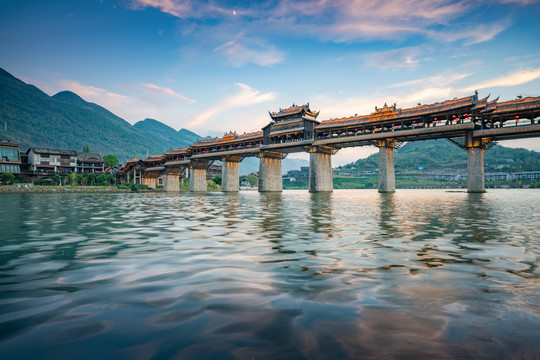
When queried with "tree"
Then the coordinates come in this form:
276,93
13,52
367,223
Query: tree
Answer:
217,179
91,178
86,149
57,179
72,179
111,160
103,180
7,178
253,180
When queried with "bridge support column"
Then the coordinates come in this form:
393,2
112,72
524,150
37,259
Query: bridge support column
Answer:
230,181
270,177
475,163
171,182
387,176
320,169
197,176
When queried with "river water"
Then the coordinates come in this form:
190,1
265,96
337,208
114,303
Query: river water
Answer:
419,274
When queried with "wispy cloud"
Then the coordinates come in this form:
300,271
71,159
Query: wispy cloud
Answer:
342,20
431,81
470,35
512,79
247,96
241,51
167,92
404,58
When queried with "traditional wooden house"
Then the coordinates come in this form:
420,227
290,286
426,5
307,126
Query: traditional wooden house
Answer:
90,163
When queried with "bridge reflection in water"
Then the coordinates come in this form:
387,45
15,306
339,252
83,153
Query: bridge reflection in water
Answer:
471,123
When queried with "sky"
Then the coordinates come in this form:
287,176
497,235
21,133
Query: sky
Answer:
216,66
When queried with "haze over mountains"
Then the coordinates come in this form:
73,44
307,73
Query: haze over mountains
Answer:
65,120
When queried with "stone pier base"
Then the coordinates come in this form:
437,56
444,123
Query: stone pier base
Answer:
320,172
475,170
171,182
197,177
230,175
270,178
387,177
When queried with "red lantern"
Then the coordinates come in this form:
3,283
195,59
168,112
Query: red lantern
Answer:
517,117
435,119
453,116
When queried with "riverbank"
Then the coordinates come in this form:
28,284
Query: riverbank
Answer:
67,188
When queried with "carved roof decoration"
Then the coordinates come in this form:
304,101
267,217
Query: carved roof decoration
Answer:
300,110
480,104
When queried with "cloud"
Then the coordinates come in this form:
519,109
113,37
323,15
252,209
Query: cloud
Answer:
241,51
470,36
404,58
436,80
167,92
102,97
512,79
246,97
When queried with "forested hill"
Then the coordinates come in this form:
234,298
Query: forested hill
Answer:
65,120
435,155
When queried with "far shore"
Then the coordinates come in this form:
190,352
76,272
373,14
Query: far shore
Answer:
67,188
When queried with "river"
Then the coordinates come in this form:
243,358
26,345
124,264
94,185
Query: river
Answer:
419,274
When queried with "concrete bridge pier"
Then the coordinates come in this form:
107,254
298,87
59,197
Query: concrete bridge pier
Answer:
387,176
197,176
171,181
320,169
230,181
270,177
475,164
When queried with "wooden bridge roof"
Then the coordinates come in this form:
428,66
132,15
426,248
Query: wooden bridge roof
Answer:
524,104
230,138
294,110
154,158
177,151
389,113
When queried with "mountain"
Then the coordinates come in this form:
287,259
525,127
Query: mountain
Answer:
436,155
167,134
65,120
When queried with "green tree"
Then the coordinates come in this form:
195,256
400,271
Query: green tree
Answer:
253,180
7,178
111,160
72,179
57,179
217,179
86,149
91,179
103,180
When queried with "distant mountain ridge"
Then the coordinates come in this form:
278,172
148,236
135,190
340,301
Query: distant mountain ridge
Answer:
439,155
65,120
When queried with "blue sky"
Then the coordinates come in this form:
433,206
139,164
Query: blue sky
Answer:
215,66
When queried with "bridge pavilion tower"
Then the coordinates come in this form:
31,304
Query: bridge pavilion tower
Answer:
292,130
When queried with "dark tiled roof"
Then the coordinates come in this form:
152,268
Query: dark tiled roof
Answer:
294,110
528,103
177,151
153,158
41,150
228,139
90,157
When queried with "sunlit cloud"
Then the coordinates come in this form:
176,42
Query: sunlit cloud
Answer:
241,51
246,97
470,36
436,80
404,58
513,79
167,92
